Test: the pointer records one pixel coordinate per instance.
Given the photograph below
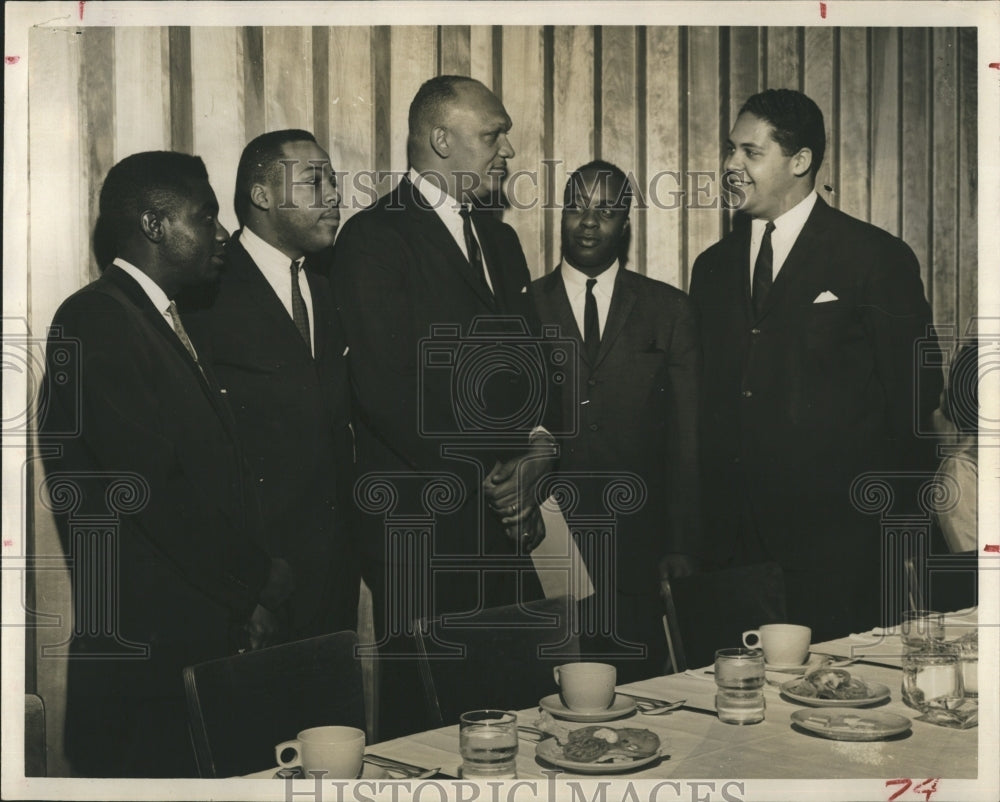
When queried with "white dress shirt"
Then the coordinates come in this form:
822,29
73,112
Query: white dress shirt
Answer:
276,268
446,207
153,290
787,228
575,282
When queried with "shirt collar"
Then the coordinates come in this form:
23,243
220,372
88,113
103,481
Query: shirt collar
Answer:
576,280
438,199
264,254
789,224
150,287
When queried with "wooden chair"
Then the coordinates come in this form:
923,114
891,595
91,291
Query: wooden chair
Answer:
498,658
34,736
707,611
240,707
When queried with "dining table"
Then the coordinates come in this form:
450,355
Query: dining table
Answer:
696,744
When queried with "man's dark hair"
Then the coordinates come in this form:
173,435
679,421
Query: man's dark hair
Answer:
156,180
606,171
260,163
797,121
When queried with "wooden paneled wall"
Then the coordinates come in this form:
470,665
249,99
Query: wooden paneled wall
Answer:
900,106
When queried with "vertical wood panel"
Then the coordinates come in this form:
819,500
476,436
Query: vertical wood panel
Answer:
523,97
704,128
217,110
744,69
945,176
915,184
481,54
254,113
321,85
97,121
413,60
619,104
664,156
140,123
855,149
382,85
783,67
966,274
455,56
181,112
352,116
288,78
819,73
885,129
572,113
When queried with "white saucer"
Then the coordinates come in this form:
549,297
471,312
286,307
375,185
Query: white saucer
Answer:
621,706
801,668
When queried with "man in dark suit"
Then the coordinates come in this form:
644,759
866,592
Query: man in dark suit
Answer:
638,413
809,321
410,275
273,338
187,573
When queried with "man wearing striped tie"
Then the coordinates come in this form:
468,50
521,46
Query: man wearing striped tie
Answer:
270,331
145,474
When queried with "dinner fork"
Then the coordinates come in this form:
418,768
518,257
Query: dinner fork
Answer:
654,707
406,769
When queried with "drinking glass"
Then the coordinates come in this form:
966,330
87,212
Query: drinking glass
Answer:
488,744
932,678
921,627
739,680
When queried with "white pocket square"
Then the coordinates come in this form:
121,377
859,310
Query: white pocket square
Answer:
524,288
825,297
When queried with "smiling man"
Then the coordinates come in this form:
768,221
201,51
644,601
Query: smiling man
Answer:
271,332
179,556
426,261
638,410
809,320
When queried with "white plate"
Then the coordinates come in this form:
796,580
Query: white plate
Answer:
550,751
813,661
846,724
877,692
621,706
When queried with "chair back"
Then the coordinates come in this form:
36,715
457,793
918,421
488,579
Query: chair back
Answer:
35,763
501,657
241,707
708,611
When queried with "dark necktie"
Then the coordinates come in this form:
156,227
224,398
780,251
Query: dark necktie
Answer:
182,334
472,248
300,315
763,270
591,328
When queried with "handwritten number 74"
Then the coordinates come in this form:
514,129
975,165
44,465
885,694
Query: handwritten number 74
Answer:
927,788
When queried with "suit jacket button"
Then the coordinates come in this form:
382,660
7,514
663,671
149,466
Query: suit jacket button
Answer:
747,394
591,383
755,331
594,427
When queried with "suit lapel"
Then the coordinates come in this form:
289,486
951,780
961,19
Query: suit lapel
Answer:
559,307
804,254
622,301
430,228
273,314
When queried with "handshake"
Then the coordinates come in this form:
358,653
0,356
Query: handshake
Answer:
509,489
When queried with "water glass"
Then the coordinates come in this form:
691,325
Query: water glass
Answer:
488,743
921,627
932,678
739,680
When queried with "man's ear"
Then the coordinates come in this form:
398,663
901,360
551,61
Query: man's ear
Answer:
802,161
152,226
260,196
439,141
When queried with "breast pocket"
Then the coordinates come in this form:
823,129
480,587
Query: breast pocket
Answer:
830,324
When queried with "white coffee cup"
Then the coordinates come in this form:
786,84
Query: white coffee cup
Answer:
338,751
586,687
783,644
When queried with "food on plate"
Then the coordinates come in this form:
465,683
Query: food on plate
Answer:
830,683
589,744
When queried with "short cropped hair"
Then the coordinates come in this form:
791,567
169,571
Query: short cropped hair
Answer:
260,163
155,180
797,121
605,172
